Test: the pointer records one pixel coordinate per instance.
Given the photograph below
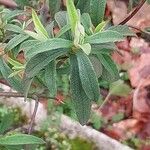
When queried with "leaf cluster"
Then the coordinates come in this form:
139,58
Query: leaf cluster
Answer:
82,48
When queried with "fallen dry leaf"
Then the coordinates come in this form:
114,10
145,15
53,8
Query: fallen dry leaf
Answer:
140,70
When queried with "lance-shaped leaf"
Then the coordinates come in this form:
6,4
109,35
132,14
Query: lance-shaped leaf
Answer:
86,48
50,78
15,82
18,39
63,30
110,72
103,48
26,82
20,139
97,11
72,13
81,101
108,63
62,21
54,6
87,23
48,45
8,14
35,35
107,77
28,44
100,26
14,28
88,77
104,37
37,63
83,5
61,18
38,25
123,30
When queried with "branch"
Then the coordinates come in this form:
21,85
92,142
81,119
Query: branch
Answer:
33,115
15,94
133,13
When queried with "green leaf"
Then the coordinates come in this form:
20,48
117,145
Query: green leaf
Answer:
73,15
103,48
106,78
48,45
63,30
15,82
97,65
20,139
100,26
86,48
104,37
22,3
15,41
50,78
79,34
54,6
97,12
61,18
13,28
14,62
39,61
87,23
6,122
96,121
14,73
84,6
109,65
122,29
119,88
35,35
28,44
118,117
50,29
38,25
20,147
26,82
8,14
88,77
81,102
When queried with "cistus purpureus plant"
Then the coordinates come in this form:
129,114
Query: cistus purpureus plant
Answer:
83,45
80,49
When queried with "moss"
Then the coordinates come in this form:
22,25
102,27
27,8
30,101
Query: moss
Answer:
81,144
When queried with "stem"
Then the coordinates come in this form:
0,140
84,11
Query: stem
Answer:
15,94
133,13
33,116
105,101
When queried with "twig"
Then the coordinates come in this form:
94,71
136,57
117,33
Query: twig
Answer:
133,13
136,28
105,101
15,94
33,115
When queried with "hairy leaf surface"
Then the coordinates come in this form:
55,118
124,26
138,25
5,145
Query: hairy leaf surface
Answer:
104,37
88,77
81,101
